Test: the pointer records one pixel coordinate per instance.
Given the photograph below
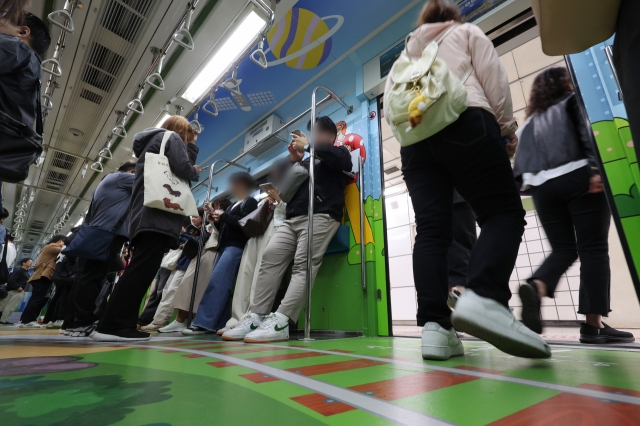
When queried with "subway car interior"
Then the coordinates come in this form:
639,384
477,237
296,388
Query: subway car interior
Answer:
159,265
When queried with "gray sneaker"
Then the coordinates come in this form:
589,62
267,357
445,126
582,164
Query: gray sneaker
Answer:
488,320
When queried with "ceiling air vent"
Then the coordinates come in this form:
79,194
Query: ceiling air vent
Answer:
126,17
391,170
55,180
37,225
63,161
91,96
103,65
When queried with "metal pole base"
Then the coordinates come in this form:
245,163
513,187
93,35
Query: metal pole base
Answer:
306,339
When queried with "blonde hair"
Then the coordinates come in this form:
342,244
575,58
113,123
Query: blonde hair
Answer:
181,126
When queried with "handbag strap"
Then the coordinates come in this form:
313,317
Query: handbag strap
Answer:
165,138
39,126
120,221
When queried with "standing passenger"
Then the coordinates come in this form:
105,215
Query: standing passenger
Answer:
152,231
468,155
556,162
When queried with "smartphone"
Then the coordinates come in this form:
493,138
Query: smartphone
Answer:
268,187
297,132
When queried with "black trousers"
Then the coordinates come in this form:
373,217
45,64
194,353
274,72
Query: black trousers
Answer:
156,297
464,238
626,57
123,307
56,309
577,224
89,283
468,155
37,301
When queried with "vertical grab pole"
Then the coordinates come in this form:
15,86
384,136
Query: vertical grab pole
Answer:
312,158
363,255
203,229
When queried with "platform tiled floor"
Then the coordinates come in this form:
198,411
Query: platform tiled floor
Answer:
46,379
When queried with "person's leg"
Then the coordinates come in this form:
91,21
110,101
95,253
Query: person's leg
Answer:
63,304
165,307
464,237
146,317
122,310
276,259
37,300
473,153
10,304
87,287
214,301
626,56
324,228
431,192
242,291
50,315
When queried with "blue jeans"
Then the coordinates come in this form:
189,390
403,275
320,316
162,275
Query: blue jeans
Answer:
214,302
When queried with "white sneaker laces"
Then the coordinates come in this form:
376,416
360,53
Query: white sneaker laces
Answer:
244,323
269,321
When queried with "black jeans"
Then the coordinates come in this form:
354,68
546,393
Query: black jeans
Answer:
464,238
89,283
576,223
470,156
156,297
56,309
123,307
626,57
37,301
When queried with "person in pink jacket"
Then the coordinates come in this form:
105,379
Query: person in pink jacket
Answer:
470,155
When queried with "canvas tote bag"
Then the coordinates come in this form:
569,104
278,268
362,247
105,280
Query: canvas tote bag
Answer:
573,26
162,189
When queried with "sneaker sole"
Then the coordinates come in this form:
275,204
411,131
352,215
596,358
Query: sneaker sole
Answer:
219,332
265,341
599,340
441,353
232,339
530,308
100,337
171,331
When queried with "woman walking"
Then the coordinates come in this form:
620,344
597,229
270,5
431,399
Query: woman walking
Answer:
556,163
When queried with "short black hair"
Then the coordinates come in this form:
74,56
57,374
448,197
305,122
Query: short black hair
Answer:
4,213
243,178
127,166
10,237
25,260
40,36
57,238
326,124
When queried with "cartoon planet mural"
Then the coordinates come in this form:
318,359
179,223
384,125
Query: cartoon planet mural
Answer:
302,39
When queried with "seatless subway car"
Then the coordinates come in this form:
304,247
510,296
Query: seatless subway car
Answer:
251,78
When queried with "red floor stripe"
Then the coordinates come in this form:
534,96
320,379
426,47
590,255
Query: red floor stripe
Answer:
193,356
571,409
323,404
313,370
285,357
478,369
247,351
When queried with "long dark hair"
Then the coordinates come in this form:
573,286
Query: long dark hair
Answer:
13,11
549,87
439,11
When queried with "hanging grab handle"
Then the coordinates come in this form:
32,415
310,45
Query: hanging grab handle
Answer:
97,167
180,35
48,103
215,111
62,12
105,153
119,131
199,128
155,80
136,106
55,67
258,56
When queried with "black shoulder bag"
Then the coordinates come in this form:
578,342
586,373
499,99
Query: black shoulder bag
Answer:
20,145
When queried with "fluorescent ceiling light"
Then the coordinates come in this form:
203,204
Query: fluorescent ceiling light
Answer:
244,34
163,117
79,222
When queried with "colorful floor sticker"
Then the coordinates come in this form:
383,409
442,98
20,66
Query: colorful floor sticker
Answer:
372,381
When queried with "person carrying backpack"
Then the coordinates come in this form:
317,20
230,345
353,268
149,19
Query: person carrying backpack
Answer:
448,102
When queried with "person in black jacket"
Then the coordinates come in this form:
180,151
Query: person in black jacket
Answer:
231,244
152,231
290,240
555,161
15,285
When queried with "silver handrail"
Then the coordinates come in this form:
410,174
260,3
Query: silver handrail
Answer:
363,246
609,52
196,272
312,157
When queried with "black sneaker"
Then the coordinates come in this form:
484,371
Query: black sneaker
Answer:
530,307
194,330
595,335
120,336
5,323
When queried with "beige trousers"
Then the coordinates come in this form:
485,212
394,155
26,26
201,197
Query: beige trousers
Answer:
287,244
248,276
183,296
10,303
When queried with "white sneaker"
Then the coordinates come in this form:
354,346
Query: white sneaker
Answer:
56,324
49,324
488,320
173,327
440,343
61,331
32,324
223,330
250,323
152,327
274,328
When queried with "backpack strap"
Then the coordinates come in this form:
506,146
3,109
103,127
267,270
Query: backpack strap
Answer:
446,33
